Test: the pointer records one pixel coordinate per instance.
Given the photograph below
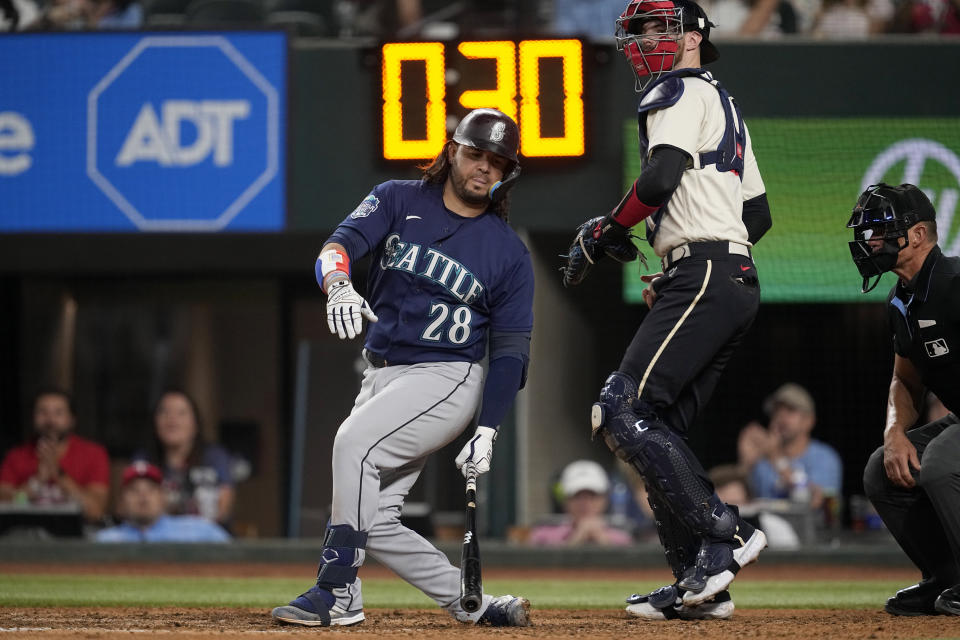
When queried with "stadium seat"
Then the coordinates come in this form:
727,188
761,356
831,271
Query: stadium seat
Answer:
221,12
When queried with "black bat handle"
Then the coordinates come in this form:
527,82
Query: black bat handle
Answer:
471,583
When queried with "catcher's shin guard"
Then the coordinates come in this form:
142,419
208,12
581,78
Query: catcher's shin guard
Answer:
680,543
632,430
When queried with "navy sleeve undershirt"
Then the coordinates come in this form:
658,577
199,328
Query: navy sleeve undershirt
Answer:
503,381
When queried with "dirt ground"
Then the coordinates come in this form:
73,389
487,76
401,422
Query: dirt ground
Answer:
81,623
190,624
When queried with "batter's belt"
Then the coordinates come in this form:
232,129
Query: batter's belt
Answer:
375,359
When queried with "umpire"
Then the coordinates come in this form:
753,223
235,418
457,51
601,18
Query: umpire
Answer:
913,480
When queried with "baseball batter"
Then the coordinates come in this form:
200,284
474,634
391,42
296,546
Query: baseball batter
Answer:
449,283
703,203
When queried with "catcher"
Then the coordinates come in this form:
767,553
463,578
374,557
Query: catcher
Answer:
704,205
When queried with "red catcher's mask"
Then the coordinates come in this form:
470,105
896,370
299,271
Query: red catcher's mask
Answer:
648,33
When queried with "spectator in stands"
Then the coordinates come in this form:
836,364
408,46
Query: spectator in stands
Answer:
783,461
585,488
196,475
591,18
142,507
57,466
90,14
15,15
754,18
379,18
730,483
927,16
853,19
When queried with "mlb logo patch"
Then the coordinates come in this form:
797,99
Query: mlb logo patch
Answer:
937,348
368,206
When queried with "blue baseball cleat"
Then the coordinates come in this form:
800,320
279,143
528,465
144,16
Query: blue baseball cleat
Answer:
317,608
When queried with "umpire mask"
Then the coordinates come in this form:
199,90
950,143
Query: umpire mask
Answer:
883,214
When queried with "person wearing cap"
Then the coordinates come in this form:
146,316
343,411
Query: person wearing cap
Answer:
702,205
783,461
449,281
143,508
585,488
913,480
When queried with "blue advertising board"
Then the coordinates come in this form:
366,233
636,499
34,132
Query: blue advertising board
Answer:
143,132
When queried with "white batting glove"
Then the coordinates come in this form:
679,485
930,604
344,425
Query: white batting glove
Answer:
346,309
478,451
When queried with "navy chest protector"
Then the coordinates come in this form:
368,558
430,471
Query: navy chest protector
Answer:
728,156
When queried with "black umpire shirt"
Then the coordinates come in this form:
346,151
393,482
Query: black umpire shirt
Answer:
924,315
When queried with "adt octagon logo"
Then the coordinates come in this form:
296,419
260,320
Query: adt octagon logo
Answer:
182,133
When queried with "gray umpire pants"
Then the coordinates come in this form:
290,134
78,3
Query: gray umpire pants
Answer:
925,519
402,414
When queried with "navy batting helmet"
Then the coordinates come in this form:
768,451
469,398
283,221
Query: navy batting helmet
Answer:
494,131
490,130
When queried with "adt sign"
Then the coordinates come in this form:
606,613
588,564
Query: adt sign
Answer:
182,133
143,132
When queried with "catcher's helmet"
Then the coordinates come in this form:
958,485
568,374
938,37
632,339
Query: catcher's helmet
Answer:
883,214
653,53
495,131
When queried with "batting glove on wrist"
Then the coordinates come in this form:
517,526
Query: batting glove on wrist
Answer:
478,451
346,309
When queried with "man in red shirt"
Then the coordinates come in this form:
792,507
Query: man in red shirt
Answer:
57,466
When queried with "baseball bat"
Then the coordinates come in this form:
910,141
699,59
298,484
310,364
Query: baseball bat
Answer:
471,584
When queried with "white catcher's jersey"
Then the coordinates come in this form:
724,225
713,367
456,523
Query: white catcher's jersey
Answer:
708,204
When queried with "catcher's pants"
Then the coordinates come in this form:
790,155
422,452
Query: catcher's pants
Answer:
925,519
705,304
402,414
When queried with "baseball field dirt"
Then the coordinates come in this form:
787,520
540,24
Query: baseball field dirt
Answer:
188,623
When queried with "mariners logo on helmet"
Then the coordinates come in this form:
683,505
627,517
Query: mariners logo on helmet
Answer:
489,130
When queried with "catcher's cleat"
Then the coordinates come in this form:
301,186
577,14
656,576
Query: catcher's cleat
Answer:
948,602
666,603
506,611
705,582
317,608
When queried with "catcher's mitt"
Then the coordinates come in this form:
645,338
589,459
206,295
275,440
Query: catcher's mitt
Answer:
593,239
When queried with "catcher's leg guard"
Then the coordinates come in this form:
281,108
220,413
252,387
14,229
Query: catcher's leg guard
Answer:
680,544
631,429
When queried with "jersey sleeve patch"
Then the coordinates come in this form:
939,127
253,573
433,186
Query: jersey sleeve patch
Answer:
365,208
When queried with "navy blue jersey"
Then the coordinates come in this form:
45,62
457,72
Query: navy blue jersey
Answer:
439,281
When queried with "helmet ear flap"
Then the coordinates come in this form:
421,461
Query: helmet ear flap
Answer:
499,190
